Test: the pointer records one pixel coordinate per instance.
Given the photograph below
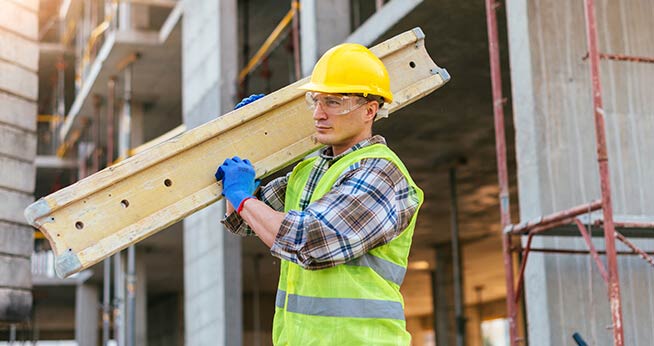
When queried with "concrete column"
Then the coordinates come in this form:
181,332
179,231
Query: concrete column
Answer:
212,256
443,290
87,303
323,24
557,160
19,56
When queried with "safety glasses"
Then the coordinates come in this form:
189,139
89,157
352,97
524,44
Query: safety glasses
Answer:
334,104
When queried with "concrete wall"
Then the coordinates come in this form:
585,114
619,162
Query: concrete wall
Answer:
557,163
212,256
18,94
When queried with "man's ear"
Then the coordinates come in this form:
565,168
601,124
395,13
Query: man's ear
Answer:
371,110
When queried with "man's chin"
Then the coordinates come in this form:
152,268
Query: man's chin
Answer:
322,139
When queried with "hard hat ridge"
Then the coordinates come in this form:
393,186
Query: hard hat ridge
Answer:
350,68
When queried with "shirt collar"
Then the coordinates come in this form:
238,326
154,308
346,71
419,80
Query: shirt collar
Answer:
327,153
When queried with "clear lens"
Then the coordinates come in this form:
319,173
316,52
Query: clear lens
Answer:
334,104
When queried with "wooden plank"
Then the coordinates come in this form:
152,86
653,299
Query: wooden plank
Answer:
127,202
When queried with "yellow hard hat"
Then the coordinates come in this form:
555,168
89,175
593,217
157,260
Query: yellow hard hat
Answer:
350,68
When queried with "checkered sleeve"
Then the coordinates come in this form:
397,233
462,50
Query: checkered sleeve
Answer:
273,194
369,205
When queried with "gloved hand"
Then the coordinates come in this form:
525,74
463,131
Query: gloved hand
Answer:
238,180
248,100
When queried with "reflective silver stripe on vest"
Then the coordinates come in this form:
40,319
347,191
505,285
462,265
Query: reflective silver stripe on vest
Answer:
340,307
280,299
386,269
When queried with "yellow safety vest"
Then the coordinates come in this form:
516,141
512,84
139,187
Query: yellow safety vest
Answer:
356,303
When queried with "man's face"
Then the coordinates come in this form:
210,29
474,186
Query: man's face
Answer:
341,121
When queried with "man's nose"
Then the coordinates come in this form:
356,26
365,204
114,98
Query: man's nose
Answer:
318,112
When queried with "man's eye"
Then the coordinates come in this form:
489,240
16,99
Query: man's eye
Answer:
332,102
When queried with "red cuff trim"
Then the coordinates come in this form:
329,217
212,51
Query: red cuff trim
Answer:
240,206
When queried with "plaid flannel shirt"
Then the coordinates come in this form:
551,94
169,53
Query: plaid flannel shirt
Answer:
369,205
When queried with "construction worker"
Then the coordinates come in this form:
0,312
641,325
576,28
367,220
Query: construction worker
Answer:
341,222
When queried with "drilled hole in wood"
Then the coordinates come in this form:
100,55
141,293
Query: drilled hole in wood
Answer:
265,133
79,225
412,64
124,203
168,182
58,235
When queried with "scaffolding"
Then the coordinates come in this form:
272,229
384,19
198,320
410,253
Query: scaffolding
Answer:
609,272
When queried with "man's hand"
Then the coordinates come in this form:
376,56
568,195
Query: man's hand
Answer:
238,180
248,100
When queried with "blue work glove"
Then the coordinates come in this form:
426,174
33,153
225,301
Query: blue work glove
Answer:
238,180
248,100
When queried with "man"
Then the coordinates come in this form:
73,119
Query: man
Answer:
341,222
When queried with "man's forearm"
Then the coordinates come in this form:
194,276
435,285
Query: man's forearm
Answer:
263,220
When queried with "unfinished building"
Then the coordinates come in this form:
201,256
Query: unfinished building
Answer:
84,84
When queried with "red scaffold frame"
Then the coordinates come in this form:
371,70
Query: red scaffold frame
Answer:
566,217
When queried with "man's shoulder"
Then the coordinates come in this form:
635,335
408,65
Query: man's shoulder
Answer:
374,170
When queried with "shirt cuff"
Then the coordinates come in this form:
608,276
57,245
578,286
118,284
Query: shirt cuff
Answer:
235,224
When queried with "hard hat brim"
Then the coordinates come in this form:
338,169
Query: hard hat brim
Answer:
347,89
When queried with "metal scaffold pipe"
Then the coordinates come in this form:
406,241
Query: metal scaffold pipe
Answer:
456,263
605,185
125,145
500,148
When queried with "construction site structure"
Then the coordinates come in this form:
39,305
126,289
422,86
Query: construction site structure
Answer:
636,217
87,84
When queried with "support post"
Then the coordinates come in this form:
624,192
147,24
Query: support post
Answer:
256,302
500,148
605,181
125,145
456,263
106,302
106,282
119,302
296,40
443,296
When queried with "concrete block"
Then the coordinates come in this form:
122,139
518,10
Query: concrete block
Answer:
20,50
13,205
15,272
17,175
19,19
16,239
15,305
18,80
17,112
17,143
